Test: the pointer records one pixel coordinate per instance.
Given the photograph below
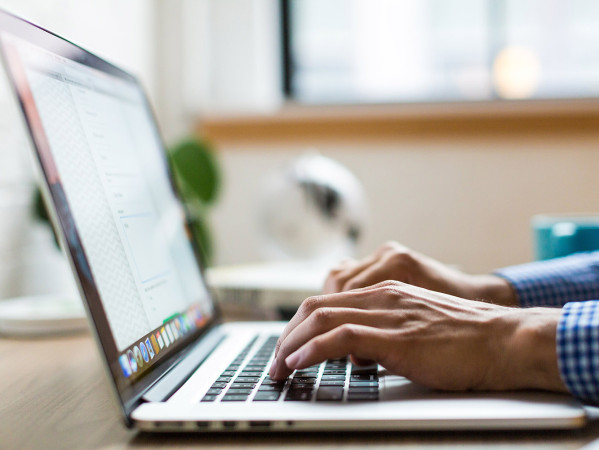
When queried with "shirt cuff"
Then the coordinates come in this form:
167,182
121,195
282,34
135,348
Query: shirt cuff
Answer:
578,349
555,282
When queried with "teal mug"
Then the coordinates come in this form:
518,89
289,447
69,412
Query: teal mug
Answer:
560,235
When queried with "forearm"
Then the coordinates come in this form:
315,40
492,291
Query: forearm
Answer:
555,282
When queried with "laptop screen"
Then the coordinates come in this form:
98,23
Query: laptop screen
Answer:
105,166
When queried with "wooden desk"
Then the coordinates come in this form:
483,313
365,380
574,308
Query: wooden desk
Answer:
53,395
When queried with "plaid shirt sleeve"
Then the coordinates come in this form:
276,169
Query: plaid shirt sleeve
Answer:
572,283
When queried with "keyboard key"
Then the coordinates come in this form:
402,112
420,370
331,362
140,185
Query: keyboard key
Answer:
306,374
298,396
239,391
218,384
235,398
364,377
224,379
363,383
359,396
372,369
303,380
271,388
362,390
333,377
268,380
227,373
214,391
335,364
267,396
329,393
309,369
332,383
209,398
334,372
242,379
298,387
236,385
251,373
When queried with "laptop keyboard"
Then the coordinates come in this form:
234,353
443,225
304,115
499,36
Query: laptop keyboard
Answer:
335,380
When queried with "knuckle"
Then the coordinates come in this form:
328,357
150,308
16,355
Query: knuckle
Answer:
390,290
334,273
310,304
401,258
350,285
391,293
323,316
348,332
389,245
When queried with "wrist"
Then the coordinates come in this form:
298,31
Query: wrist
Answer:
493,289
529,350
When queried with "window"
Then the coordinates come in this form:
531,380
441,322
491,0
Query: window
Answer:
377,51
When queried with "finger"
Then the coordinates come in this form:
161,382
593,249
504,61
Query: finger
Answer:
360,362
375,273
348,269
365,298
361,341
337,278
320,322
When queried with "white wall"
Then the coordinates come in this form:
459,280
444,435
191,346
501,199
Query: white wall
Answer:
215,57
466,202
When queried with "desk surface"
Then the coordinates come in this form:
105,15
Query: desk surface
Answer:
54,395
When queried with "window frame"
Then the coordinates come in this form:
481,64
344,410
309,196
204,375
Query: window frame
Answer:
287,74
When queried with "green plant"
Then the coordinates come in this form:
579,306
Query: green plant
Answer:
197,176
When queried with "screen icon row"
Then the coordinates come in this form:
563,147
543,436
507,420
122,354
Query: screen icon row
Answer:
140,356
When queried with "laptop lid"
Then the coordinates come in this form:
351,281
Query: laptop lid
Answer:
114,202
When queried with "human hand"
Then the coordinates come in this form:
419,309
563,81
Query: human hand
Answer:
393,261
434,339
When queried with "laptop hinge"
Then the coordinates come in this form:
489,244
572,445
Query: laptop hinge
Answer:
180,373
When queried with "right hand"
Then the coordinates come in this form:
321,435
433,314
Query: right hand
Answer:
393,261
434,339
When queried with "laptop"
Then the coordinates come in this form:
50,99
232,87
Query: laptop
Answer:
172,363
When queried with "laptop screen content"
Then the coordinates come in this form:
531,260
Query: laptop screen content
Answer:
105,166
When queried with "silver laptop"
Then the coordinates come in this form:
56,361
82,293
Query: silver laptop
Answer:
171,362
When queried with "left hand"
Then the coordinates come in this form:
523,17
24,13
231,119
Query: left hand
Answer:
434,339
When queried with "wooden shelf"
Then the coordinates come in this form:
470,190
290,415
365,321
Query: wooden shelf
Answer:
303,124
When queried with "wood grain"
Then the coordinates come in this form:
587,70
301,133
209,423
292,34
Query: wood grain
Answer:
53,395
313,125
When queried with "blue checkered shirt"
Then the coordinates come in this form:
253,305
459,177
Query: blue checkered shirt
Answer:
571,283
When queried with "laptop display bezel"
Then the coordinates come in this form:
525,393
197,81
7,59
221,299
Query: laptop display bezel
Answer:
128,394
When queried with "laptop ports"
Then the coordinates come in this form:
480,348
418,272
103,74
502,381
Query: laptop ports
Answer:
260,424
229,424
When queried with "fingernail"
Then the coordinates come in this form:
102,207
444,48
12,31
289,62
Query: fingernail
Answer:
293,360
273,367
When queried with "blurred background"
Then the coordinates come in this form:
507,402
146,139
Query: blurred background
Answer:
460,118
